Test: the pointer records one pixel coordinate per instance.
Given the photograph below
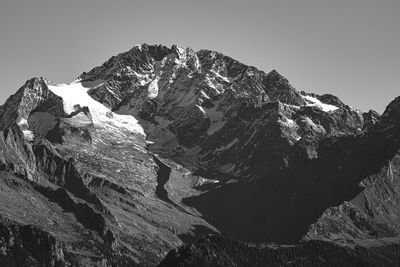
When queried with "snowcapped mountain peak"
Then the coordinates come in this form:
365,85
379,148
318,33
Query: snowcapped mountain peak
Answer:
201,94
158,145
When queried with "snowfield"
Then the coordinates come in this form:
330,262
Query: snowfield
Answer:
75,93
312,101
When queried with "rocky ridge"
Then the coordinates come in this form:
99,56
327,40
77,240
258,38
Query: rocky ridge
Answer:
190,101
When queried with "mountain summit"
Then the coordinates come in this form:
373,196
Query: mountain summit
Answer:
160,146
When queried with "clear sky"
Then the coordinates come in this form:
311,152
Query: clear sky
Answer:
349,48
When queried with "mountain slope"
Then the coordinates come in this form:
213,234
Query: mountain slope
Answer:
362,231
93,165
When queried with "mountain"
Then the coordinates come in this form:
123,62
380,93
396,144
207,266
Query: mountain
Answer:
160,146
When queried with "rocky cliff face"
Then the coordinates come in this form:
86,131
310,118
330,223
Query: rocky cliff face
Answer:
159,146
373,213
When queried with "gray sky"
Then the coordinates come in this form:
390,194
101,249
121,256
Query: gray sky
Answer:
349,48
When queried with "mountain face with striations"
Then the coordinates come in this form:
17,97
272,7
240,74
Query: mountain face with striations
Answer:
139,160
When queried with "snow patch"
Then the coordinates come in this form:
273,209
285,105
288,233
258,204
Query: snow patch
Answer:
22,123
153,88
201,109
204,94
312,101
138,46
220,76
312,124
292,106
142,78
202,181
180,49
75,93
28,135
288,122
249,72
113,93
211,84
197,63
292,128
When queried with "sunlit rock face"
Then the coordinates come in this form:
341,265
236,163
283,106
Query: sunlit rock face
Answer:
161,145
